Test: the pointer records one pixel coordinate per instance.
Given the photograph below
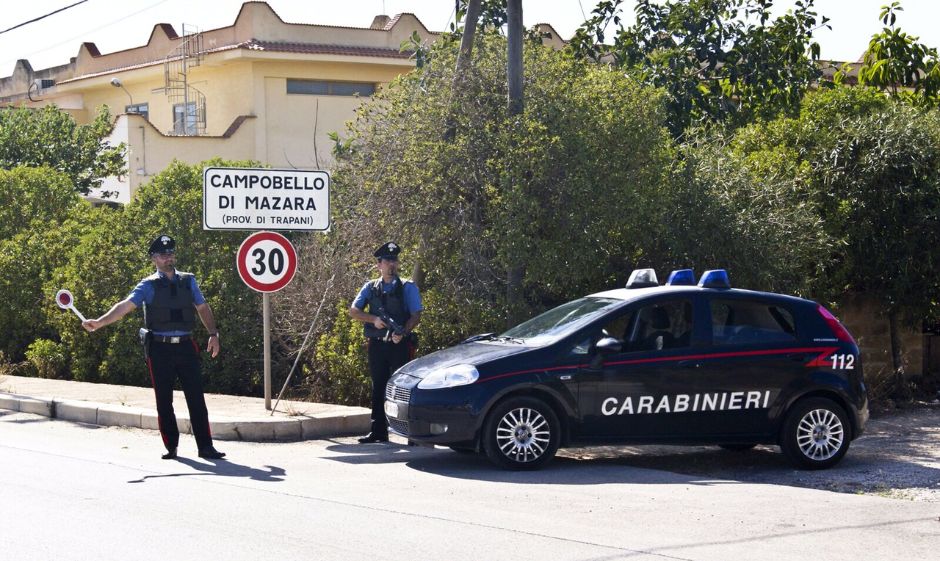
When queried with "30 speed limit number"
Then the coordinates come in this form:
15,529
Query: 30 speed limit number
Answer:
266,261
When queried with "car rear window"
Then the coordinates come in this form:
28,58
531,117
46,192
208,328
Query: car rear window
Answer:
738,322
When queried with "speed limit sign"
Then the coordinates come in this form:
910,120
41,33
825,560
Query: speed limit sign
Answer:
266,261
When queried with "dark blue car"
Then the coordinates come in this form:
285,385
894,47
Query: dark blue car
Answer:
679,363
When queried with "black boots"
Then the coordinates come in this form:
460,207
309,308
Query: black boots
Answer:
373,437
211,453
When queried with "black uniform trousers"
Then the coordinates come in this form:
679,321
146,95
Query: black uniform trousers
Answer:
167,361
385,357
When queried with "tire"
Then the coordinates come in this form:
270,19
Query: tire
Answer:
521,433
737,447
816,433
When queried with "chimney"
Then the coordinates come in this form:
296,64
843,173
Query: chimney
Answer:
379,22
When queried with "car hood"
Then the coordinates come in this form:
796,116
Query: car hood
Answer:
468,353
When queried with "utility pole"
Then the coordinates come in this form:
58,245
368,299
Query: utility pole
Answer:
514,39
450,127
516,270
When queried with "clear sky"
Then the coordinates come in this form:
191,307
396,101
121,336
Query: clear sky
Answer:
120,24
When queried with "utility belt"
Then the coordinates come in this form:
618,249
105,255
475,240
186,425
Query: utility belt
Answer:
147,337
175,339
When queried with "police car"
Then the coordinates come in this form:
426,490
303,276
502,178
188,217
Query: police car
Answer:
679,363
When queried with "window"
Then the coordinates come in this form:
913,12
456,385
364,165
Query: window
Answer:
743,322
142,109
321,87
664,325
184,118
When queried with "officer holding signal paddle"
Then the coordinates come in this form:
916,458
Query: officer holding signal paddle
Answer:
171,301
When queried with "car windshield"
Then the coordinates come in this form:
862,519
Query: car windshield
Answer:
558,322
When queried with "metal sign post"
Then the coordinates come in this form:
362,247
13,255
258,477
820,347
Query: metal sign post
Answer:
266,262
266,312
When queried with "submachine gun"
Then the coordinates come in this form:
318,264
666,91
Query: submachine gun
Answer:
394,328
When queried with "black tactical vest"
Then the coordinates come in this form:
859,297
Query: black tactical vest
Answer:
172,306
393,303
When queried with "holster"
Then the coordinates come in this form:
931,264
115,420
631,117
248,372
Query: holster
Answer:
145,336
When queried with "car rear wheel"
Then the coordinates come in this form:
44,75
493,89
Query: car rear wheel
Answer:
521,433
816,433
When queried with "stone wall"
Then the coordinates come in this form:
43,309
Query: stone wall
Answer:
867,320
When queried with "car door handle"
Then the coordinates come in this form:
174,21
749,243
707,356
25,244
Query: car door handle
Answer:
689,364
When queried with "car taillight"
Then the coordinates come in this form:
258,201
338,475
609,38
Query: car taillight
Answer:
836,326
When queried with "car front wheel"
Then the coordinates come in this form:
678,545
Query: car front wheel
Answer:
522,433
816,434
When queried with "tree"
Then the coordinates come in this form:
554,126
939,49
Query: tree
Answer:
868,167
899,64
50,137
720,61
566,187
741,211
34,198
36,208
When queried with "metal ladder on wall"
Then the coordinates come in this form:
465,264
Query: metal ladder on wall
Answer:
189,104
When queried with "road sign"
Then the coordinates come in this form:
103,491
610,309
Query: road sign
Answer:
266,261
265,199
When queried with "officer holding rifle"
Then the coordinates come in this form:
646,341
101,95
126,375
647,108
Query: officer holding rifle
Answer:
394,310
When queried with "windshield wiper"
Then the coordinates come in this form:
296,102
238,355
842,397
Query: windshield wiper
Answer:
493,337
480,337
508,339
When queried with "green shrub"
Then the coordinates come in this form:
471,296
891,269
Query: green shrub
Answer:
340,372
47,357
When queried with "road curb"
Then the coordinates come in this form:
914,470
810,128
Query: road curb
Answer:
264,429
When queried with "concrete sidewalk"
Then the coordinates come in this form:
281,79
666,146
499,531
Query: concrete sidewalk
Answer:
231,417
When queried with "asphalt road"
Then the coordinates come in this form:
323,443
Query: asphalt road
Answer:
78,492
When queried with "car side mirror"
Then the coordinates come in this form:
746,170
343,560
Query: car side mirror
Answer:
609,346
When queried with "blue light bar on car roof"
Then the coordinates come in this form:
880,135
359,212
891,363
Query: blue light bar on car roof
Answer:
681,277
716,278
642,278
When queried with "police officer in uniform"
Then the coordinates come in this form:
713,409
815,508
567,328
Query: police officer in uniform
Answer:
399,302
171,300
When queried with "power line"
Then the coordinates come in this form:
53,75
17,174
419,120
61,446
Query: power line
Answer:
43,17
85,33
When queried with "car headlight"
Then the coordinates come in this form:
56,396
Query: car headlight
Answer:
457,375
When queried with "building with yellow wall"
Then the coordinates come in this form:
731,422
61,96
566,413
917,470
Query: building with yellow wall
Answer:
259,89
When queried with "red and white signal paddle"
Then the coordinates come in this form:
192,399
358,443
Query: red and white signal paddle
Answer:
66,301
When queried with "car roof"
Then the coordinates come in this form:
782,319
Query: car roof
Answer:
635,294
